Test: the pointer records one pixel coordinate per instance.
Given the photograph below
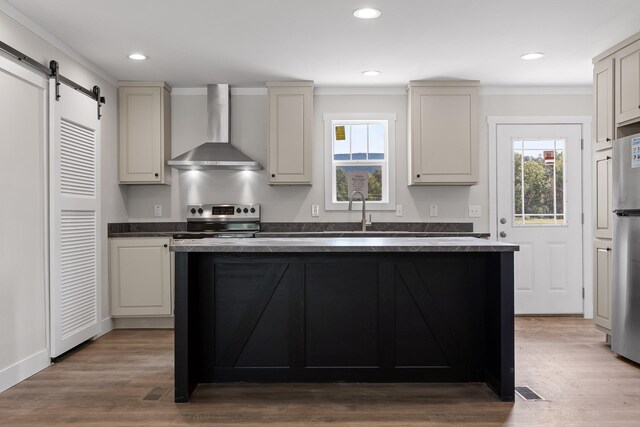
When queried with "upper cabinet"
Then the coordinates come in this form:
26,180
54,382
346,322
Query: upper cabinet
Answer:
628,84
290,132
443,132
144,113
603,102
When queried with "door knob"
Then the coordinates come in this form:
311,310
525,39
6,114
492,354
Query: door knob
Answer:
503,234
503,220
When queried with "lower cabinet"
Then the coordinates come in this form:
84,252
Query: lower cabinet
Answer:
602,297
140,276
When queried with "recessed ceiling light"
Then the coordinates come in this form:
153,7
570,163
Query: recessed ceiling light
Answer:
137,56
366,13
530,56
372,73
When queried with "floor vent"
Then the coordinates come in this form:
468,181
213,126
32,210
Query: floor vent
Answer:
527,394
155,394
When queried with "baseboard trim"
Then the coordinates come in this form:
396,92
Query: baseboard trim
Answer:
23,369
143,323
105,326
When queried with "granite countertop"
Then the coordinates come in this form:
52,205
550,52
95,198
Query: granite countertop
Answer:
308,229
336,244
371,233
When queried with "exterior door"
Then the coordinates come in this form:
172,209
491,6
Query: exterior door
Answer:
539,208
75,219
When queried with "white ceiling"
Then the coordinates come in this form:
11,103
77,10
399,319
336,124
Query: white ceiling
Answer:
247,42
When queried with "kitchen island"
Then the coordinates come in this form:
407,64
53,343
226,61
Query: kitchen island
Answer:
335,309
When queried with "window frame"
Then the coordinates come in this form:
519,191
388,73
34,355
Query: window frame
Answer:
388,176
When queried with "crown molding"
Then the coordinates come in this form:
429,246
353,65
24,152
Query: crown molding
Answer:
236,91
536,90
392,91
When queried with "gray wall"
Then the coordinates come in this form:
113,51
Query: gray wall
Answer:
293,203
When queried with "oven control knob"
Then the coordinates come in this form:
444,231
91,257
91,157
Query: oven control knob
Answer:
252,210
245,210
200,211
238,210
193,211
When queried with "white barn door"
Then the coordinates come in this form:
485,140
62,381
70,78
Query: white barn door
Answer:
75,219
24,219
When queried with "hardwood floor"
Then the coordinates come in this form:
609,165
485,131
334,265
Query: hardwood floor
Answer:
105,383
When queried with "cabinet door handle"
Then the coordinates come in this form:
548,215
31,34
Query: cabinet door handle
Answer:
418,176
273,175
156,175
608,139
608,157
608,249
165,245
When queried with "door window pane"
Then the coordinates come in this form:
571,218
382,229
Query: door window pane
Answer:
538,182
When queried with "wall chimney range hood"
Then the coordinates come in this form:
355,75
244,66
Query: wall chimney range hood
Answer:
217,152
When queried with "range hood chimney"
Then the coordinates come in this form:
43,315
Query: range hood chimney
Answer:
217,152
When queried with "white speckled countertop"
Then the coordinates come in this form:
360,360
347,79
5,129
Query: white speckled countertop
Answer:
337,244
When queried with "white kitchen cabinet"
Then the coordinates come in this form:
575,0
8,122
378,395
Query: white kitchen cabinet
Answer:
144,127
290,132
602,284
603,90
443,132
603,216
627,84
140,276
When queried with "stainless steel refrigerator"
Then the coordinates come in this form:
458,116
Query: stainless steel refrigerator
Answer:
625,332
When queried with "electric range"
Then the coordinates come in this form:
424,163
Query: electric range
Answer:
226,220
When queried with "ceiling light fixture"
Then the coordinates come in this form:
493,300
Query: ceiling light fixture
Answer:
530,56
371,73
137,57
366,13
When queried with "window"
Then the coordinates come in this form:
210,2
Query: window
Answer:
539,182
360,156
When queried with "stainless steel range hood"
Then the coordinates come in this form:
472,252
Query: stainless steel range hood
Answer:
216,153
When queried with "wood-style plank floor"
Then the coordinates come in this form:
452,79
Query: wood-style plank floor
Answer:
105,383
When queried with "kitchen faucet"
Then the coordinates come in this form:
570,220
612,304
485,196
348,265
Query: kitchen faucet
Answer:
364,209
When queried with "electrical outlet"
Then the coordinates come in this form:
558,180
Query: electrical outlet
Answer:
474,211
315,210
433,210
157,210
399,210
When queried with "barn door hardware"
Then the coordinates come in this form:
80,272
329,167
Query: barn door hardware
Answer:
53,71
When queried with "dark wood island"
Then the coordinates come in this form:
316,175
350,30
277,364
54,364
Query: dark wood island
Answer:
344,309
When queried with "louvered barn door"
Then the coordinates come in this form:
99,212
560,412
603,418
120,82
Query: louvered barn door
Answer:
75,220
